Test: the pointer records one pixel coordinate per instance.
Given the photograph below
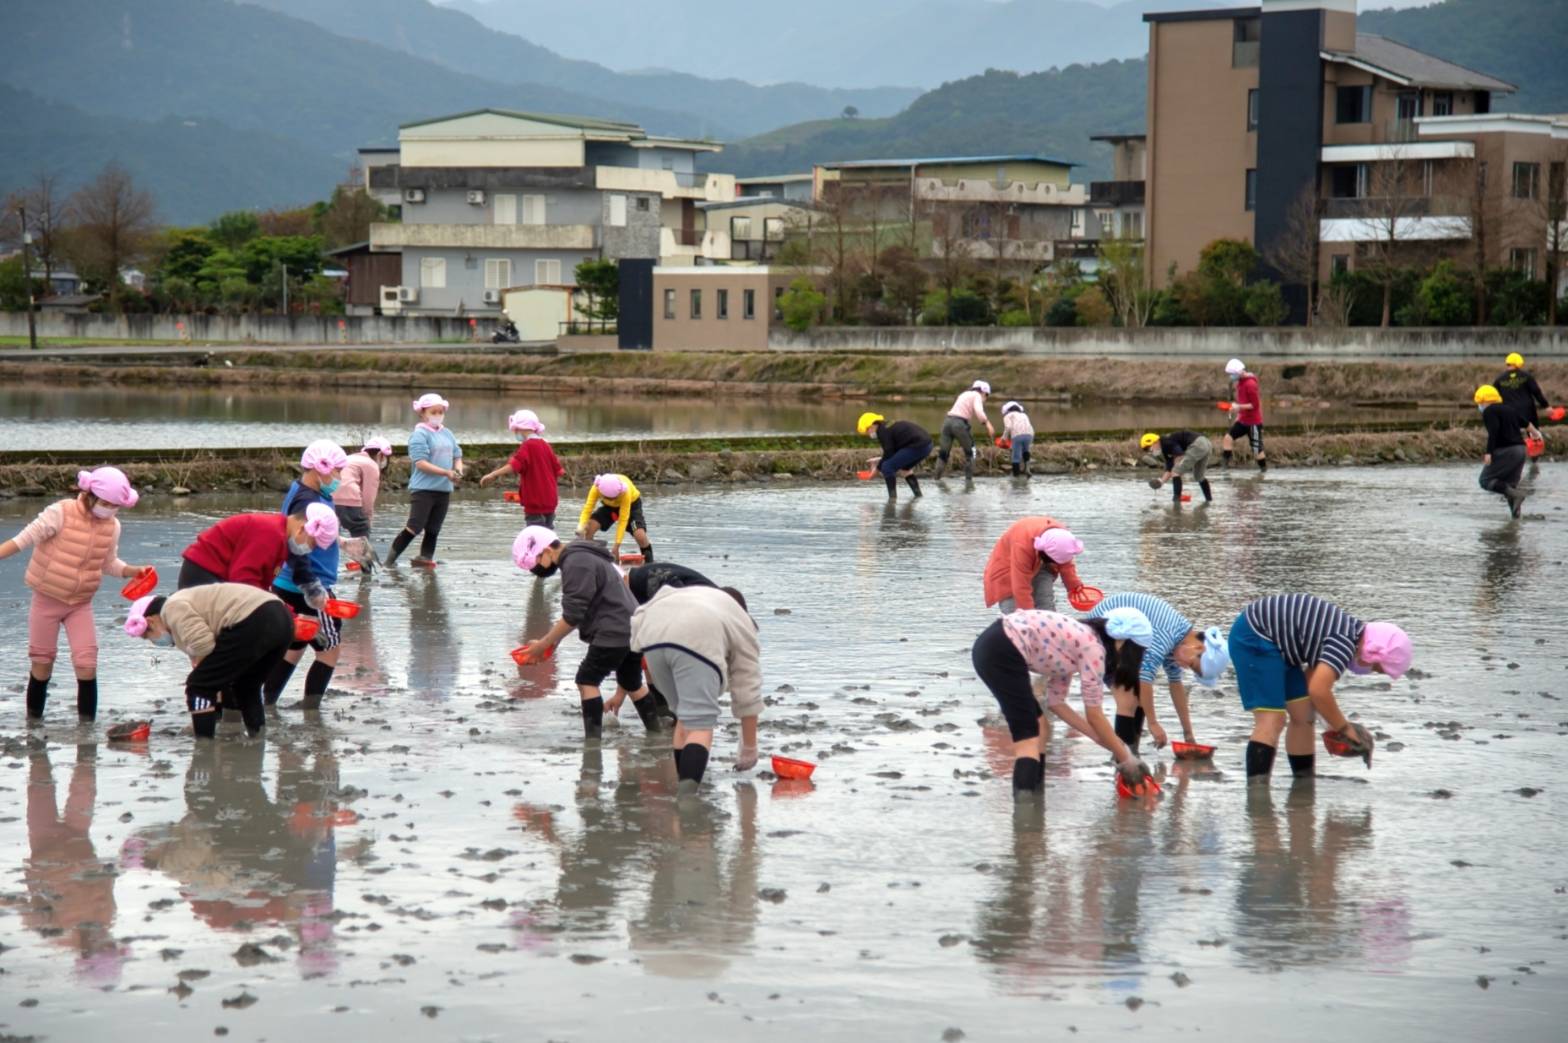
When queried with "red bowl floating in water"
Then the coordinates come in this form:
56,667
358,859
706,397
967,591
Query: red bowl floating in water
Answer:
1147,788
1186,497
140,586
131,731
1085,598
512,496
352,566
425,564
1556,414
305,629
632,559
521,657
789,768
339,609
1191,751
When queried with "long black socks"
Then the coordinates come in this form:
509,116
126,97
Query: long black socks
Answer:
1176,490
316,680
691,761
205,725
277,681
1028,775
1260,759
1301,764
427,545
1208,494
400,544
593,717
37,693
892,485
87,699
647,554
648,709
914,484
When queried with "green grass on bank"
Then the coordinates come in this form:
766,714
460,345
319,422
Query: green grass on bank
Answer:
87,342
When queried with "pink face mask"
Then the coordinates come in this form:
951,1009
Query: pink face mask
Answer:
105,511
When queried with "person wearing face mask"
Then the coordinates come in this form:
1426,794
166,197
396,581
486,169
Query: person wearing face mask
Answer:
1246,413
536,467
1027,561
75,542
321,468
1108,650
235,636
438,467
251,548
596,603
1503,464
905,446
1289,651
355,498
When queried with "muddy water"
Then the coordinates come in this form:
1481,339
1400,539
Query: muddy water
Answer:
438,857
39,418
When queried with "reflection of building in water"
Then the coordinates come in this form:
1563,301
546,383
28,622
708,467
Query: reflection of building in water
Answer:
435,651
241,858
70,892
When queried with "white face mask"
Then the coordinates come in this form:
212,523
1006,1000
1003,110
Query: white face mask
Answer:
435,420
105,511
304,546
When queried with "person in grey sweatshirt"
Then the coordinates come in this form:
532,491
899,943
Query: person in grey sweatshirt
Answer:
698,643
595,603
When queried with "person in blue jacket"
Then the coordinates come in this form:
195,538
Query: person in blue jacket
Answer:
320,467
438,466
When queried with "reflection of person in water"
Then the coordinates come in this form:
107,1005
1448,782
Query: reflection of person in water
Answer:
435,652
539,676
700,910
241,858
613,832
70,893
1290,908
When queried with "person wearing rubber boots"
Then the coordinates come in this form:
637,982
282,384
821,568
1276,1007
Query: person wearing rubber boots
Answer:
596,603
700,642
1503,465
1289,651
905,445
1246,413
1521,393
1019,433
1183,452
969,406
1029,642
614,502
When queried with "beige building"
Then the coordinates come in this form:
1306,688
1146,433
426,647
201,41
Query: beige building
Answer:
716,307
752,229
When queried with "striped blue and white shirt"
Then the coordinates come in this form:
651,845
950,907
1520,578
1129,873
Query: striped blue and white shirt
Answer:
1307,629
1170,627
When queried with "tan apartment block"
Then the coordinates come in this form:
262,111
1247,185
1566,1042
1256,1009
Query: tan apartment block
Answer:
716,307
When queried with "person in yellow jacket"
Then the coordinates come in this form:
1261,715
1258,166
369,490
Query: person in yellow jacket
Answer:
614,500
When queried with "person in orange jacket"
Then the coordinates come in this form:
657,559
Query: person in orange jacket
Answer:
1026,561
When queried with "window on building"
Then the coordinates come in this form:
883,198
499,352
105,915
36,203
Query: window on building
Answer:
498,273
617,211
773,229
669,304
642,204
506,210
1246,35
1107,224
748,304
1527,180
778,312
1348,181
1483,102
1251,201
721,307
696,304
432,273
1338,264
533,210
1443,103
1077,221
1252,109
1407,106
740,228
1353,105
1132,224
547,273
1522,259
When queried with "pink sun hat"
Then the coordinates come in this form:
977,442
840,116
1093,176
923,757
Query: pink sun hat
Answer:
108,484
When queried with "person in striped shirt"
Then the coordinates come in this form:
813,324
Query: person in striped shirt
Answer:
1289,650
1176,646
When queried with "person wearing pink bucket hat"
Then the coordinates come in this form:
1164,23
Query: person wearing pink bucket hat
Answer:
1027,560
437,460
75,542
614,500
1289,650
536,467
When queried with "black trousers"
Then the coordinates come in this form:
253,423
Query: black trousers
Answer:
193,575
240,661
426,514
1001,666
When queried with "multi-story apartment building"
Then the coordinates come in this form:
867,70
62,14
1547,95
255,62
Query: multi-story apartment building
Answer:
493,199
1262,119
1118,203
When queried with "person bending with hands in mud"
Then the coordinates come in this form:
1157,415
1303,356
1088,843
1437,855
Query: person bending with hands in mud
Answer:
970,405
1290,650
1184,452
905,445
1106,650
595,603
1175,645
1026,562
699,642
614,501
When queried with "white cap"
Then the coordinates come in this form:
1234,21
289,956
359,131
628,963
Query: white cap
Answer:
981,386
1235,367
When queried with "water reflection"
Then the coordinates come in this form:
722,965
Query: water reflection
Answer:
435,647
70,890
1497,581
537,680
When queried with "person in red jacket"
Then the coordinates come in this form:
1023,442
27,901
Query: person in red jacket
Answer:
536,467
1246,413
250,548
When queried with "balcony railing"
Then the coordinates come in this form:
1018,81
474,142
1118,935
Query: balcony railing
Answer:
1374,207
687,236
1116,193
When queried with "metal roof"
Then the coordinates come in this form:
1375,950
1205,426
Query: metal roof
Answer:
774,179
576,122
1396,61
946,161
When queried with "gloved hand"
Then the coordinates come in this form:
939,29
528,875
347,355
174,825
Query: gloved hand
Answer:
315,595
1358,739
1133,771
746,759
1154,483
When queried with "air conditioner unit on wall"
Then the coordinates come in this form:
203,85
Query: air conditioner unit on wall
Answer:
476,196
408,294
413,195
390,303
492,296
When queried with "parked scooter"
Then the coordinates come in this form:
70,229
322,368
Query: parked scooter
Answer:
506,333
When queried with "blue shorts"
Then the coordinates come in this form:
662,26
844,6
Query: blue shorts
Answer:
1265,680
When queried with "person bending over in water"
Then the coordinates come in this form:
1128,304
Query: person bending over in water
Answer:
1184,452
614,500
955,427
905,445
1026,562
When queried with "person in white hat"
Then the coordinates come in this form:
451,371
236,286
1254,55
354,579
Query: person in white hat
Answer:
1246,413
955,427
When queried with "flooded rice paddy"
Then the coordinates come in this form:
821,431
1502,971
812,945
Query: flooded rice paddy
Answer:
50,418
438,857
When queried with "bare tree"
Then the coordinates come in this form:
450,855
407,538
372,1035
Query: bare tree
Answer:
1295,251
1547,221
1124,281
951,251
114,221
835,245
1491,216
1394,200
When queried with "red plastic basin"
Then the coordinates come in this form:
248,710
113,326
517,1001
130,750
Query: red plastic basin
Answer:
140,586
521,657
339,609
305,629
1191,751
1149,787
789,768
1085,598
512,496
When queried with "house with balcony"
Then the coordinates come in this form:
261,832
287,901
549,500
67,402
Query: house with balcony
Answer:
1281,124
493,199
1011,208
794,187
752,229
1118,203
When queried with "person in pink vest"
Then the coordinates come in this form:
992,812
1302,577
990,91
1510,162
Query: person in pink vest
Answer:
955,427
75,543
355,499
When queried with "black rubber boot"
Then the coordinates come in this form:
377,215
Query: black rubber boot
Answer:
1017,469
690,767
1301,765
941,466
400,544
1263,464
1176,489
892,486
1028,467
593,717
1227,454
316,680
914,485
37,694
1028,776
1260,759
87,699
277,681
1208,493
648,710
969,467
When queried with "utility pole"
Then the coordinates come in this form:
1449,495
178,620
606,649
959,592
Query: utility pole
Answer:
27,276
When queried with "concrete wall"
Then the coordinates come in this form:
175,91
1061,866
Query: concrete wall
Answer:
639,236
258,329
1220,344
465,283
